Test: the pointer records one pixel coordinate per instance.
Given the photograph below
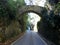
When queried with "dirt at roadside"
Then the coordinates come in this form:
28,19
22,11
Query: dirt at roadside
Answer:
8,42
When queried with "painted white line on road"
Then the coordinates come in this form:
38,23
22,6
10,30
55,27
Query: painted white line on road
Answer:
43,40
40,37
17,39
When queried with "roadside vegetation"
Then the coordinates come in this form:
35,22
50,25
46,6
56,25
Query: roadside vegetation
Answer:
9,24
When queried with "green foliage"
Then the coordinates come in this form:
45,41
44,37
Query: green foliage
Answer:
15,4
23,22
3,10
49,27
25,19
57,9
8,12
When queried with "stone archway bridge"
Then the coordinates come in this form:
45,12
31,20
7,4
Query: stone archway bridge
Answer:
41,11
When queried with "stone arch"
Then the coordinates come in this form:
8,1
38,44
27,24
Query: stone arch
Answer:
31,8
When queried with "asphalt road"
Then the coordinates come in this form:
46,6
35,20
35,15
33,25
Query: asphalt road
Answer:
30,38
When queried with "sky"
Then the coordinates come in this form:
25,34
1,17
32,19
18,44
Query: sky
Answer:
35,2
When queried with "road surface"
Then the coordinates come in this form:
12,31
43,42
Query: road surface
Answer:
30,38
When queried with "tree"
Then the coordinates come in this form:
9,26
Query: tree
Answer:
8,12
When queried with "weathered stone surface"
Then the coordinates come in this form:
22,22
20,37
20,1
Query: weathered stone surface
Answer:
36,9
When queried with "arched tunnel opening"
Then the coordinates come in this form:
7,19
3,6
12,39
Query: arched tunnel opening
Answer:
42,13
33,19
30,20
